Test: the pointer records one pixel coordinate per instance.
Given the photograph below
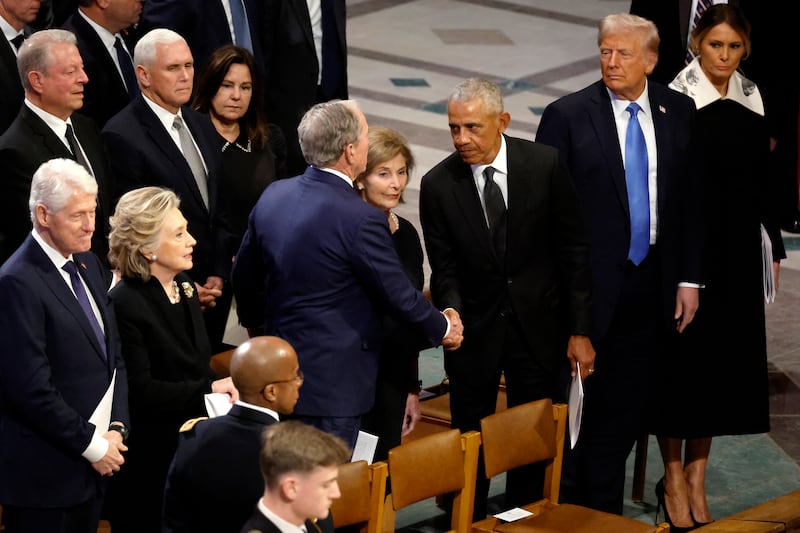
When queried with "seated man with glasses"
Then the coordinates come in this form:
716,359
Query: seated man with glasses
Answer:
214,477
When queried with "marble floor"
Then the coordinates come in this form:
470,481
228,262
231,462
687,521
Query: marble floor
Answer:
405,56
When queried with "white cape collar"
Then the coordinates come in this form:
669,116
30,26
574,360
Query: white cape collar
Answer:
693,82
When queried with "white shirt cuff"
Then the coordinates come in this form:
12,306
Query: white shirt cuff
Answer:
96,450
691,285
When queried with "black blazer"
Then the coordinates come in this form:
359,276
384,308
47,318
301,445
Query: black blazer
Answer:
581,125
105,94
52,376
545,279
258,523
27,144
201,22
143,154
11,93
291,67
216,469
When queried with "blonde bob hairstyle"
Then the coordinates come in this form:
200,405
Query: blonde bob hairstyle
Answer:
385,144
136,226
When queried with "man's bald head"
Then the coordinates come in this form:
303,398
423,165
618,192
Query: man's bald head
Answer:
266,373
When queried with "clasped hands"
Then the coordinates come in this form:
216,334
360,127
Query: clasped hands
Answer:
113,459
209,292
456,334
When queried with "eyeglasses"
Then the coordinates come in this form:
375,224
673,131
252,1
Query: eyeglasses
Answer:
298,378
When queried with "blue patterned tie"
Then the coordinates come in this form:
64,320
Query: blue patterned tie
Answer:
83,300
636,170
240,26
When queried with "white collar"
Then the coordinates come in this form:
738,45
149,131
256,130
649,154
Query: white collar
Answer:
270,412
335,172
283,525
106,36
693,82
56,257
620,106
9,31
166,117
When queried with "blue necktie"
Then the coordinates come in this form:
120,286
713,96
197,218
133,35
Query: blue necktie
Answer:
636,170
83,300
126,67
240,27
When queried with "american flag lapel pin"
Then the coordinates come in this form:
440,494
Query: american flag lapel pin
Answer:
662,109
83,266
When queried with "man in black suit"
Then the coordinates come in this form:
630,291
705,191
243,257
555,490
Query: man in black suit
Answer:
305,62
639,199
158,140
215,467
508,252
207,24
47,127
112,79
14,15
63,388
300,479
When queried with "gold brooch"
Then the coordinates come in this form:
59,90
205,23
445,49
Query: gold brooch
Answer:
188,289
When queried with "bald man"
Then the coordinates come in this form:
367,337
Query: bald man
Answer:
215,478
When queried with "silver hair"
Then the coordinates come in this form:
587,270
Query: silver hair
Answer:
146,49
35,56
627,23
326,129
488,92
55,181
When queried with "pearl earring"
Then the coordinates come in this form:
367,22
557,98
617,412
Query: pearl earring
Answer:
153,257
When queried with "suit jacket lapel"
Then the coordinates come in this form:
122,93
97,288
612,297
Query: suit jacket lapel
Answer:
664,147
53,279
605,129
48,137
163,142
466,196
99,52
300,8
519,189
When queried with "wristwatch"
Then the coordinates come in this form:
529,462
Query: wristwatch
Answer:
121,429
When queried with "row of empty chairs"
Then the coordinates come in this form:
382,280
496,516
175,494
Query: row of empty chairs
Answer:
446,462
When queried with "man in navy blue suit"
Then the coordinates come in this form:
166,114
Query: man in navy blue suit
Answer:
317,267
63,388
215,467
645,283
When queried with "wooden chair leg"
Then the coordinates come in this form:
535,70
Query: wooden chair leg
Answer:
639,467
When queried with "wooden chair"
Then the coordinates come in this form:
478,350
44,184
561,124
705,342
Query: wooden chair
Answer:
741,526
441,463
783,511
221,363
532,433
363,489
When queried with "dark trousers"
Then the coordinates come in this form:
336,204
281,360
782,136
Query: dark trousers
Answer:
344,427
616,395
474,373
82,518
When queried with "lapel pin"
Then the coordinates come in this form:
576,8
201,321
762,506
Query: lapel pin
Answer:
83,266
662,109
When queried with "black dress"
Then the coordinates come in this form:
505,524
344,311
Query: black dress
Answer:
397,368
714,381
167,353
246,172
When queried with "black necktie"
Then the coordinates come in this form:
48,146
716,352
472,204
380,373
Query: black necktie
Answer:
495,213
77,153
126,66
18,40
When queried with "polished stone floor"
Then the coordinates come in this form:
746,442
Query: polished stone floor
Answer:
405,56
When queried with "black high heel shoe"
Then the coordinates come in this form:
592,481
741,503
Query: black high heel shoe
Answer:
661,504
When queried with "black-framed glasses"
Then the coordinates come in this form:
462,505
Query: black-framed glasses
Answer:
297,378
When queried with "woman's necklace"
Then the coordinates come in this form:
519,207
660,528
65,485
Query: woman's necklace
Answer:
175,296
247,149
395,221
